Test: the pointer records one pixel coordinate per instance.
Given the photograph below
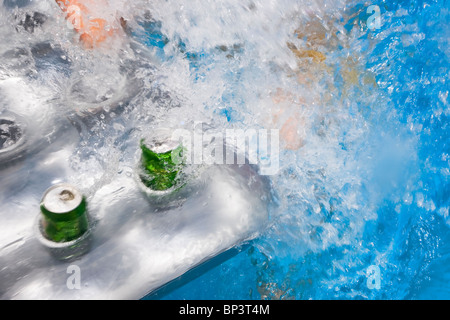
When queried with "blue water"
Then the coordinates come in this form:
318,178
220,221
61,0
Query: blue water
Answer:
361,209
398,218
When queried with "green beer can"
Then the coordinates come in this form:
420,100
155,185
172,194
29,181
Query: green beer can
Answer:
63,224
161,169
64,211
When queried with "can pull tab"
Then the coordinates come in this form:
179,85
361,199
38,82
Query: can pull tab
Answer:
66,195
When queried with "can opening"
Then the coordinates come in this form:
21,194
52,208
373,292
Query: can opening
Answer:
66,195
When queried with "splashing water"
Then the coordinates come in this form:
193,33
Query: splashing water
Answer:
362,113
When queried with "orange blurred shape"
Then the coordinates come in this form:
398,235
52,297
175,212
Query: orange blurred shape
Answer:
92,30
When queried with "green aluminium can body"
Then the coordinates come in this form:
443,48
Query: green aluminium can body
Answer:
161,165
64,213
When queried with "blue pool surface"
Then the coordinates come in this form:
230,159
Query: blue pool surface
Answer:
360,204
407,238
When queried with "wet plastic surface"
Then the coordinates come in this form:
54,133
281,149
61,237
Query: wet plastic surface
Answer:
136,247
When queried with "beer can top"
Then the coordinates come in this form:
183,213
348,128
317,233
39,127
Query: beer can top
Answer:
161,141
62,198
